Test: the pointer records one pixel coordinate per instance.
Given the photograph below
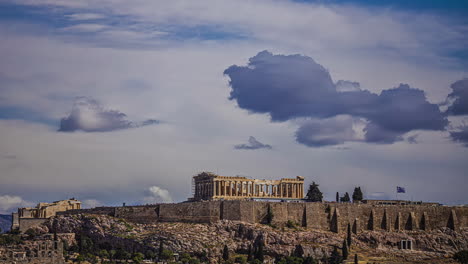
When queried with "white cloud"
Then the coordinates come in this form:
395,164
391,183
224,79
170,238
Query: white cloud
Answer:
158,195
9,203
86,27
90,203
85,16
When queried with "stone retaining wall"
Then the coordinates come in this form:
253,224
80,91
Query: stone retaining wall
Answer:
323,216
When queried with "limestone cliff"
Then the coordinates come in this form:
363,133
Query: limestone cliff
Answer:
435,246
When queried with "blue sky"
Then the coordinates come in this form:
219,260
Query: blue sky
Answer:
102,101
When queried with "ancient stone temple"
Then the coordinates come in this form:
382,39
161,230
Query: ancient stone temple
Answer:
27,217
210,186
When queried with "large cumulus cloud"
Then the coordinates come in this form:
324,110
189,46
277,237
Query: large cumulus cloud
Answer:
294,86
89,116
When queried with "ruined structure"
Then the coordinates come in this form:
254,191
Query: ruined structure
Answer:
26,217
210,186
44,250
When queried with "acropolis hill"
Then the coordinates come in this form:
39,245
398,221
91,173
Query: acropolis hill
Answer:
242,212
248,200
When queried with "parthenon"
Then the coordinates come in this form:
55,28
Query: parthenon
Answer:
210,186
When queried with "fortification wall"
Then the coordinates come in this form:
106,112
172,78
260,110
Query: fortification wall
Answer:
138,214
26,223
323,216
103,210
196,212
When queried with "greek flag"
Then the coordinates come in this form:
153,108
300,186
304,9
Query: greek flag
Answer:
400,189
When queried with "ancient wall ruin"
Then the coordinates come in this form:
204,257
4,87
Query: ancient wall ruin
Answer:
43,251
334,217
26,223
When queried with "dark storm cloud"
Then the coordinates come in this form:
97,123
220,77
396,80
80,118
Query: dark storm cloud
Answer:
459,96
253,144
295,86
318,133
89,116
400,110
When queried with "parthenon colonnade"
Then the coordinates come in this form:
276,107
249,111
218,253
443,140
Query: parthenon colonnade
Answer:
209,186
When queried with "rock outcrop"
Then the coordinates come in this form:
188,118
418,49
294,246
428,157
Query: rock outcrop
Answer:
209,239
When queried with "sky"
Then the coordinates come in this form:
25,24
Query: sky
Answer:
121,101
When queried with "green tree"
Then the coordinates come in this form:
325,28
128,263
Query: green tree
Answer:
194,261
103,253
32,233
269,215
166,254
80,258
86,244
256,261
349,240
461,256
310,260
250,254
337,197
122,254
225,252
112,254
240,259
335,257
314,194
299,251
138,257
346,198
161,249
344,249
357,194
259,254
149,254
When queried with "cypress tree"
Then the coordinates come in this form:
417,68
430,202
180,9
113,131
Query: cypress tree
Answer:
337,197
161,248
299,251
250,254
349,240
259,252
226,252
269,216
335,257
344,249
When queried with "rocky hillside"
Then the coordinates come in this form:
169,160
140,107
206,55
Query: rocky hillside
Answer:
5,222
209,239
